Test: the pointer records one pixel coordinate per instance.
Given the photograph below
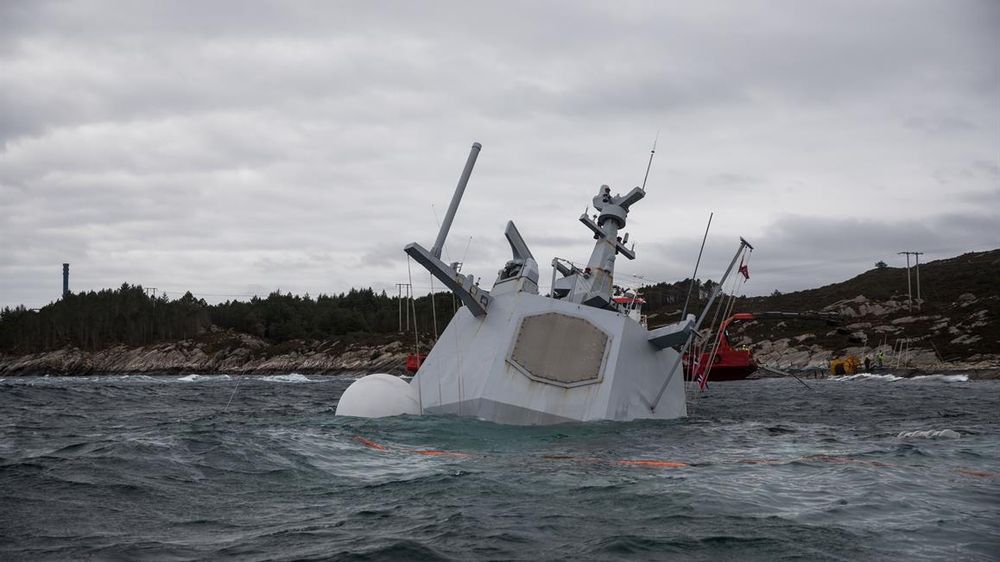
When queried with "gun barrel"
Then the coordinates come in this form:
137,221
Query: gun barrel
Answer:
455,200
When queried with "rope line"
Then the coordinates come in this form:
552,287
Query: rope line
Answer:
416,337
727,304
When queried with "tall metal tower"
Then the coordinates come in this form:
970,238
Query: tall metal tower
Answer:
65,280
408,296
909,286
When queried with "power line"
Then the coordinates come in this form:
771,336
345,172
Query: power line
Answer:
203,294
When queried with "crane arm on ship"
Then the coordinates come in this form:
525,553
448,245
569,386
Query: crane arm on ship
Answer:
478,300
830,318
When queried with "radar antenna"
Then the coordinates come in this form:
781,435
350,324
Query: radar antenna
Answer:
650,163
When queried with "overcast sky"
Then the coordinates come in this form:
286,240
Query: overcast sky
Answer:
235,148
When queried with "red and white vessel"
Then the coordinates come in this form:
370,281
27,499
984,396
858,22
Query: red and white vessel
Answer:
729,363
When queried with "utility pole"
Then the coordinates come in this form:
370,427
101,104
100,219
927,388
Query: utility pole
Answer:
409,291
909,287
920,301
909,293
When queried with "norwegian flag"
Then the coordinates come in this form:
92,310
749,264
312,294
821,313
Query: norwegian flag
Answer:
744,270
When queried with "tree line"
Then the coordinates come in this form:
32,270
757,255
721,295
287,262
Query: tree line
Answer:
130,316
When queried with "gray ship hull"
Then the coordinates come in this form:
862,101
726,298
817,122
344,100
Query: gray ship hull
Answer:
491,368
512,356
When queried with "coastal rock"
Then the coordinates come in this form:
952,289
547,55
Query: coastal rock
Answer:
966,299
910,319
977,319
966,339
873,309
240,354
798,359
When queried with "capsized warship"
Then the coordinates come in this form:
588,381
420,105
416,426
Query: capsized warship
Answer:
513,356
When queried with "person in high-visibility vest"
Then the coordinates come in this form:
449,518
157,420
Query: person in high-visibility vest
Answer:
879,358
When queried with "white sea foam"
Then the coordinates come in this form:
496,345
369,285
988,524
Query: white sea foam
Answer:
930,434
291,377
894,378
197,378
134,378
941,378
868,377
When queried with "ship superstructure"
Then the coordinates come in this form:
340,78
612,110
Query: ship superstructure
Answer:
511,355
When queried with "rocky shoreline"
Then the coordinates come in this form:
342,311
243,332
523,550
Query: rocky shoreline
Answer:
907,373
240,354
796,355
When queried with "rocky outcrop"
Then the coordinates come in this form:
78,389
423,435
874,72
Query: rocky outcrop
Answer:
787,354
235,354
945,336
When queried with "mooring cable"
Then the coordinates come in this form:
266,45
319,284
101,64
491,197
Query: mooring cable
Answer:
231,396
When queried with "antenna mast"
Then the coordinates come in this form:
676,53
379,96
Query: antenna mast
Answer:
650,163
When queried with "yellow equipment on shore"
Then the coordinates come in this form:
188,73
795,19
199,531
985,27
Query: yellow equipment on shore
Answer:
845,365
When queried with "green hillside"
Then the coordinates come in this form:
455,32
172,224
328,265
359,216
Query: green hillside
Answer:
957,316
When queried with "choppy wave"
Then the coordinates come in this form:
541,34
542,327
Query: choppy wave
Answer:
136,378
203,378
940,378
291,377
761,470
867,377
930,434
894,378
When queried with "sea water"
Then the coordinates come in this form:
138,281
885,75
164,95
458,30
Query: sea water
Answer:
136,467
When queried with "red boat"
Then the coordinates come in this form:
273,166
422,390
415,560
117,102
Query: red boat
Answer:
729,364
414,361
734,364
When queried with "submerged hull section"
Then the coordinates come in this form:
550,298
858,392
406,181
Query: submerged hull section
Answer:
537,360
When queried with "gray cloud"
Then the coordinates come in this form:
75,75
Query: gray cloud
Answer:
800,252
234,148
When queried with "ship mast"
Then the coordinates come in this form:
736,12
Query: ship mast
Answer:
593,285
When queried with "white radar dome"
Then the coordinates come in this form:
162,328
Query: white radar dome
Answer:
379,396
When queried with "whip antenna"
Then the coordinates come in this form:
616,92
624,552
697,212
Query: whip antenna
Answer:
650,163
